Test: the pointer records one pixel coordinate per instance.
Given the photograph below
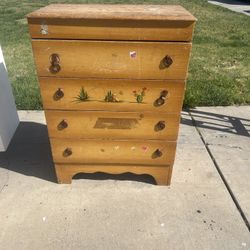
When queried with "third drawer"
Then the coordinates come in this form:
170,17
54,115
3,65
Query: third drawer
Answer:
121,125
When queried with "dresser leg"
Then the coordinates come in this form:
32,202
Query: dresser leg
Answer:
63,176
163,176
161,180
170,174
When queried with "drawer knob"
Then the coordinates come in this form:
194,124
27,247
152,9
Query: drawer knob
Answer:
55,63
67,152
157,153
58,94
160,125
167,61
161,100
62,125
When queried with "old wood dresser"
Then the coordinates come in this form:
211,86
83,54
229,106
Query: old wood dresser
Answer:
112,79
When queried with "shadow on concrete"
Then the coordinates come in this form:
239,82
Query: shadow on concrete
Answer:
29,154
223,123
233,2
145,178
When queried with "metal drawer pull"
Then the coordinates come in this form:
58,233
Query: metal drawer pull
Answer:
160,125
67,152
58,94
62,125
167,61
54,61
161,100
157,153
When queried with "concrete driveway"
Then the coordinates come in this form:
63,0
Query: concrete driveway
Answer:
207,205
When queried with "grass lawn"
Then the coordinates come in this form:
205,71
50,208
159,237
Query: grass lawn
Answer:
219,72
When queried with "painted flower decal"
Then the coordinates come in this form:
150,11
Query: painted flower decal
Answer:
82,96
139,95
145,148
111,97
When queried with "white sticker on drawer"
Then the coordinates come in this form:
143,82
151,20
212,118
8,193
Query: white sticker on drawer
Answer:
133,54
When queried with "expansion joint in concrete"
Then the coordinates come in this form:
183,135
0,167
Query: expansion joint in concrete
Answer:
220,172
5,162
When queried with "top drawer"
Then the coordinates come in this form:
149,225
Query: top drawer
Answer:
112,22
109,59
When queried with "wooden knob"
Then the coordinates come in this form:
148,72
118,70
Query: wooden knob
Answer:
55,63
167,61
160,125
161,100
67,152
55,68
164,93
157,153
58,94
62,125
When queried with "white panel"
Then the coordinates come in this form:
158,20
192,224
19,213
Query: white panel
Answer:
8,113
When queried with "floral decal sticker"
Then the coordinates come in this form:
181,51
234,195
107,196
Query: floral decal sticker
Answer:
139,95
145,148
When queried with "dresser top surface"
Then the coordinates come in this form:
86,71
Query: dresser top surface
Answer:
113,11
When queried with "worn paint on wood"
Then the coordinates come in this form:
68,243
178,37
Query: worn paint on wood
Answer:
112,80
113,151
113,125
110,59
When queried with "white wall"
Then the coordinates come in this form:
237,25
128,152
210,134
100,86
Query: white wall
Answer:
8,113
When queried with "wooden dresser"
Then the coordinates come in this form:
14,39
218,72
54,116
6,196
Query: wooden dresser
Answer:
112,80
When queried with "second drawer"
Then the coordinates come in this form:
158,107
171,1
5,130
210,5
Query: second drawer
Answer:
121,125
112,94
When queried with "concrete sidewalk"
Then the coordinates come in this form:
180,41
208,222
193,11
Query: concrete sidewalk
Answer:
206,206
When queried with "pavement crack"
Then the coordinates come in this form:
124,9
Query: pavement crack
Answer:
220,173
223,145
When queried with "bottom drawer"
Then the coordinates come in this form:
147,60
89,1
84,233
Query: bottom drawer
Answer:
149,152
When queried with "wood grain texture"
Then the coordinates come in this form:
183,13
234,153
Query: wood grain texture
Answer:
113,151
100,89
109,59
65,172
123,89
112,125
111,30
114,12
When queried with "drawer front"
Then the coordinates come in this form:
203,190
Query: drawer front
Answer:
111,30
136,60
114,95
115,125
113,151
